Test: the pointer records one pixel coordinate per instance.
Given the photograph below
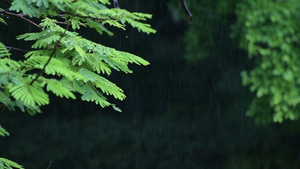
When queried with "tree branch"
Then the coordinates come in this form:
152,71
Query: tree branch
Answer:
116,4
51,55
49,164
20,16
186,10
17,49
53,51
84,17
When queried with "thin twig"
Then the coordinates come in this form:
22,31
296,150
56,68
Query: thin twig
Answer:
51,55
186,10
49,164
53,51
59,22
116,4
84,17
20,16
17,49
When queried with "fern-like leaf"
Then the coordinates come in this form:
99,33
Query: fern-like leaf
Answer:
105,85
57,88
25,7
3,51
2,21
41,3
97,64
8,164
30,95
5,100
91,94
76,60
7,65
133,19
57,66
98,26
3,132
87,90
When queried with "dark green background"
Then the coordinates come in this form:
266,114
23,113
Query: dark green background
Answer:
181,112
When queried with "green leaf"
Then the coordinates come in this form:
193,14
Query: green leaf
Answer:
2,21
8,164
57,88
116,108
3,132
56,66
269,32
90,93
3,51
41,3
7,65
30,95
105,85
24,7
76,60
80,51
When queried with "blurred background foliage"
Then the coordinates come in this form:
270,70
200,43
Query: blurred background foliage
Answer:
188,108
269,31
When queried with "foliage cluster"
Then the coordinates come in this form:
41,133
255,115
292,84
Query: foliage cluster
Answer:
269,32
72,63
60,60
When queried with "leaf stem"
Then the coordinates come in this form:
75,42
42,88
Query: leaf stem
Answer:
20,16
49,164
186,10
17,49
53,51
116,4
